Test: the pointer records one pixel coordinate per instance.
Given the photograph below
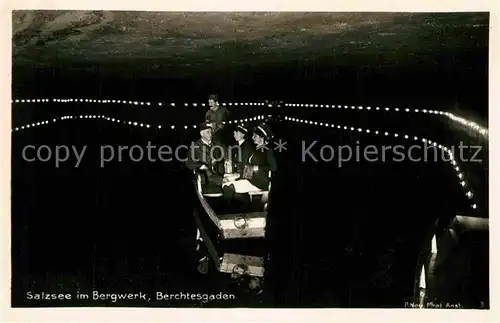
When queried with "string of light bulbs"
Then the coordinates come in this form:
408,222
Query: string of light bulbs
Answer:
470,124
453,161
468,193
130,102
126,122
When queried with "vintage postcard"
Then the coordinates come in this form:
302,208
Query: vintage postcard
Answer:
240,159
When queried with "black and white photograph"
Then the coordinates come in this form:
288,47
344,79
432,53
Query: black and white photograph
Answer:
250,159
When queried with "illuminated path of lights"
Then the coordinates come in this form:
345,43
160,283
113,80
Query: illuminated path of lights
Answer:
470,124
460,175
125,122
453,161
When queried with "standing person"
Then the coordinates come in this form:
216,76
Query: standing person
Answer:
216,115
206,155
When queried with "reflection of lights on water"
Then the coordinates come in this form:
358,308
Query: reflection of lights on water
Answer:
422,283
434,244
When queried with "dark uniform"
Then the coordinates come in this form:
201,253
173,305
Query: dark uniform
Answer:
211,155
216,118
240,153
266,162
264,159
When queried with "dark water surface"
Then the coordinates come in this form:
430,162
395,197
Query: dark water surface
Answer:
344,236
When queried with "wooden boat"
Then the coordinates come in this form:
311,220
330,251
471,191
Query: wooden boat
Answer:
239,225
233,242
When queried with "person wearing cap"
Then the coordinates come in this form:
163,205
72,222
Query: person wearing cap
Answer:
238,157
216,115
206,156
241,152
260,162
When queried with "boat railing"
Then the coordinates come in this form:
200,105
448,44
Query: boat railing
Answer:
208,209
240,225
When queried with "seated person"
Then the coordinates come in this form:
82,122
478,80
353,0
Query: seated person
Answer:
205,155
240,154
260,162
